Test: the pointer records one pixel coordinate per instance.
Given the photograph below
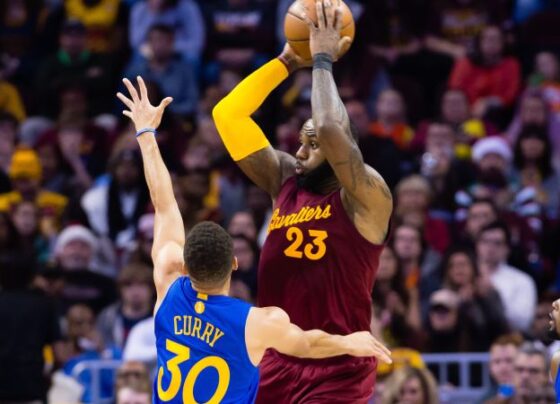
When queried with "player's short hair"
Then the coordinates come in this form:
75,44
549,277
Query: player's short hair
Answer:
208,254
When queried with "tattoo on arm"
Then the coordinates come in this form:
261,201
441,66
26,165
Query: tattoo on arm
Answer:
267,168
360,174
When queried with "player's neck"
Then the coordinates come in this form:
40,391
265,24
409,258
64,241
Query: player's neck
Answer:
218,291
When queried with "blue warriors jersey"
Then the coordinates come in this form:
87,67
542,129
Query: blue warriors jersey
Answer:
557,387
201,351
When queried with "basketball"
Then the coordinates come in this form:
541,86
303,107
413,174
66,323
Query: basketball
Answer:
297,31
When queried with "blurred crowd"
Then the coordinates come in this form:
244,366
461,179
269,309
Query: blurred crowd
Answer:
457,103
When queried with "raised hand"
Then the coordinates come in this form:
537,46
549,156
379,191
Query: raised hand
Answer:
325,36
143,114
364,344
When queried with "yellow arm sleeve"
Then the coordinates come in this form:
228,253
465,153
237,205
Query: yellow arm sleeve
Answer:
232,115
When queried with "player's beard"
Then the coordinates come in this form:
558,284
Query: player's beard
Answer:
317,179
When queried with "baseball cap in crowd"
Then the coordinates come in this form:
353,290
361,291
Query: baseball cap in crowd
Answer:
25,164
491,145
75,232
444,299
73,26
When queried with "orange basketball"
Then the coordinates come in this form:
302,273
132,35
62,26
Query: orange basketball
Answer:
297,31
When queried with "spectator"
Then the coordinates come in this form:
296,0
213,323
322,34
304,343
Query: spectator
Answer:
246,251
74,64
84,343
25,216
390,120
447,330
175,77
25,174
242,223
502,357
530,372
74,253
8,133
239,32
517,290
141,344
420,263
481,306
411,386
133,384
136,304
29,323
456,111
113,208
396,307
183,15
490,79
414,196
141,253
445,171
547,79
537,182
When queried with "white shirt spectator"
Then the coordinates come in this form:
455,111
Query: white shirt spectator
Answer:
141,344
518,293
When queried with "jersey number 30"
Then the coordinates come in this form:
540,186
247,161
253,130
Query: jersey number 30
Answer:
182,354
313,250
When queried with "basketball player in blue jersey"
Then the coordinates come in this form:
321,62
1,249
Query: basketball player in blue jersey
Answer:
208,344
554,332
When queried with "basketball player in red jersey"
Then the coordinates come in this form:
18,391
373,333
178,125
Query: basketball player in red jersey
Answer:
330,220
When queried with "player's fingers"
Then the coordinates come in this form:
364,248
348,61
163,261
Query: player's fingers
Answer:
309,22
126,101
382,347
131,90
143,89
337,23
127,113
344,44
165,102
321,17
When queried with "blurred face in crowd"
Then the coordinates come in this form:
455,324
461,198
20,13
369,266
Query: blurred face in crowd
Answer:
244,253
387,265
195,185
529,373
554,323
76,254
412,199
162,45
493,162
455,107
532,148
480,214
196,157
491,43
243,223
547,66
26,186
491,248
411,391
502,359
25,217
358,115
127,395
49,159
258,200
127,174
460,270
443,317
390,106
136,294
533,111
73,43
80,320
407,243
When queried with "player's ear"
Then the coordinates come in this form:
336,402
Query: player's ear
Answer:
234,264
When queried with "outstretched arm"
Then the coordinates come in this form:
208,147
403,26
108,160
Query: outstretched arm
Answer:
363,188
169,232
243,138
270,327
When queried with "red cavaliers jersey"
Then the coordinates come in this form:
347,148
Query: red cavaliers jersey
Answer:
315,264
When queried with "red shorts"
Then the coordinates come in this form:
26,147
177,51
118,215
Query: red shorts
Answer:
340,380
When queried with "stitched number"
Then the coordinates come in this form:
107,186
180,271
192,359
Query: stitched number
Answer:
314,250
182,354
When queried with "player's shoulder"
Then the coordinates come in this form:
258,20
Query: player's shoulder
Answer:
266,319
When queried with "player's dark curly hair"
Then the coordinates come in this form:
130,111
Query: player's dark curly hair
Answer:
208,254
